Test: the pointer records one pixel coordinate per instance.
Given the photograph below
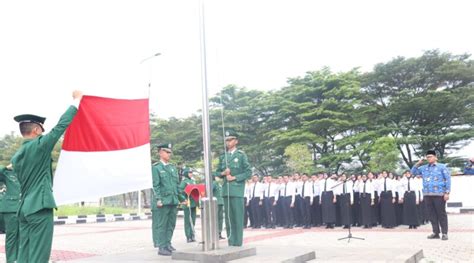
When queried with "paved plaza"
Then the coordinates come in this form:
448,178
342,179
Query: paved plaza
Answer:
130,241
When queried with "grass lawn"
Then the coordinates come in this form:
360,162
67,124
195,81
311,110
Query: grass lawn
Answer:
70,210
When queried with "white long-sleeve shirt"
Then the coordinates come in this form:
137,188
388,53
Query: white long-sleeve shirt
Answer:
345,187
256,190
298,187
307,186
288,190
271,190
387,184
413,186
327,184
316,188
367,187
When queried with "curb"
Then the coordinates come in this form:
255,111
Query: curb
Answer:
83,219
86,219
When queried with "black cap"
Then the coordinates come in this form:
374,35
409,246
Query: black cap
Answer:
30,118
431,152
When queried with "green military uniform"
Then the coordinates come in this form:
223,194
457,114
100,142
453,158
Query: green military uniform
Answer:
8,209
32,165
217,193
190,208
165,190
233,191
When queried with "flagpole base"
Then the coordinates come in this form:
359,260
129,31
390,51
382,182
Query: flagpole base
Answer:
215,256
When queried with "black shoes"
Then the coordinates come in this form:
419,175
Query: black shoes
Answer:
164,252
444,237
434,236
189,240
171,248
221,237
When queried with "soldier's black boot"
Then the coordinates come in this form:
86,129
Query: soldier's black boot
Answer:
171,248
433,236
164,252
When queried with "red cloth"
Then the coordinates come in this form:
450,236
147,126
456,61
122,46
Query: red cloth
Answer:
195,190
105,124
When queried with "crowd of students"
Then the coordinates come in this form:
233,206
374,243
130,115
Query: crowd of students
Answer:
306,201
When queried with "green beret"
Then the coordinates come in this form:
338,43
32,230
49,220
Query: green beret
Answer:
30,118
231,134
165,146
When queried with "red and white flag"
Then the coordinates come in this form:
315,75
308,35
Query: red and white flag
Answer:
106,151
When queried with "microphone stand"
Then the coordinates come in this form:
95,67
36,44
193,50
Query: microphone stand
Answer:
349,234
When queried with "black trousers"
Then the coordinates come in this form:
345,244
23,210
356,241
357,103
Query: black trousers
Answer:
437,211
287,213
306,211
269,211
256,215
246,212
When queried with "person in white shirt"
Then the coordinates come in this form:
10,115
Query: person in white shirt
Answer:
366,192
288,189
256,202
328,201
410,193
387,201
316,219
346,200
307,200
279,204
376,207
398,206
298,208
356,205
422,208
247,203
270,199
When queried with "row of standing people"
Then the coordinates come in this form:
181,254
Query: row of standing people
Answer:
310,201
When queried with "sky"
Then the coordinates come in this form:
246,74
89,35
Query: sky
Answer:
50,48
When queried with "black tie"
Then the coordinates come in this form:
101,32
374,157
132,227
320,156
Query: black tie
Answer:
343,188
254,186
303,188
313,188
325,182
385,185
364,186
408,184
268,192
285,188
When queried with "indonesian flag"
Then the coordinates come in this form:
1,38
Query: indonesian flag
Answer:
106,151
195,191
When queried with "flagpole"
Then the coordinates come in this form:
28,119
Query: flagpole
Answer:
149,87
209,230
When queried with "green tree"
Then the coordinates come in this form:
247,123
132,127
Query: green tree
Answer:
384,155
424,103
299,158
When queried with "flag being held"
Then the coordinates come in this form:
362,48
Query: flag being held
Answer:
106,150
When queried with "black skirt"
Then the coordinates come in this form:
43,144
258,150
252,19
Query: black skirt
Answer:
328,207
345,209
410,210
387,209
365,209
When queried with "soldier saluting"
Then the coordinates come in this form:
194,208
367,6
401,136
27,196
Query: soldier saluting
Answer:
32,165
234,167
